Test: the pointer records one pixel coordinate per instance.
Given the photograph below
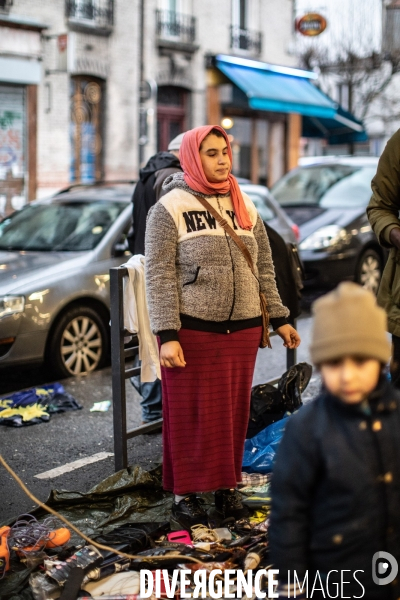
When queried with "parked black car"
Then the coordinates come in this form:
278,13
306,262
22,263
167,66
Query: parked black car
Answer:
327,197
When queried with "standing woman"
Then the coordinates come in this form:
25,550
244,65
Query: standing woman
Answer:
204,306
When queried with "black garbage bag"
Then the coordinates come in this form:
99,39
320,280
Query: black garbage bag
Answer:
293,383
269,403
266,407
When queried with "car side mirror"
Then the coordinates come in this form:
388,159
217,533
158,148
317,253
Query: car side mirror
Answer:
121,247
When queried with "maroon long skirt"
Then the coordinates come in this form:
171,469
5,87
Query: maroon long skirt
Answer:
206,410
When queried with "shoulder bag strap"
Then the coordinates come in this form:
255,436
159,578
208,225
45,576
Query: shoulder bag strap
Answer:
224,224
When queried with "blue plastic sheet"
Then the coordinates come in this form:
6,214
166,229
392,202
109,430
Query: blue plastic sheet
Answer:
259,451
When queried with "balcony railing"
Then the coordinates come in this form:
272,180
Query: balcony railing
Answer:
5,5
243,39
98,13
174,26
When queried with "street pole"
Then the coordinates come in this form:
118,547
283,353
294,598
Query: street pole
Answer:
352,145
142,108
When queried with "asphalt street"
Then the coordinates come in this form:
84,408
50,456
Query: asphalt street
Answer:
71,436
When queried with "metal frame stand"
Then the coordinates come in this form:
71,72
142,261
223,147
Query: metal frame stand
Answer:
121,372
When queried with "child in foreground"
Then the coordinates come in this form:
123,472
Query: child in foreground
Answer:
336,480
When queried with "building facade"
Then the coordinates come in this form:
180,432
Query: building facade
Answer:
189,90
90,89
68,95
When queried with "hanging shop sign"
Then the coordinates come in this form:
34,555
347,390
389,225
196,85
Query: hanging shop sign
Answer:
62,46
311,24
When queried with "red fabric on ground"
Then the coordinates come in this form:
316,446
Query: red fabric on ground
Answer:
206,410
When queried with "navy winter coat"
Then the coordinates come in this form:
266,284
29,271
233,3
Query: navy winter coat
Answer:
336,490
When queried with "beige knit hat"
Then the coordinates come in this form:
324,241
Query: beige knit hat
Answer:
348,322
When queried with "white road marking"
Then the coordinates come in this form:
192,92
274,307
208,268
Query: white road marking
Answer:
76,464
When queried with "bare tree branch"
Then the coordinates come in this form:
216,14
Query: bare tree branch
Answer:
367,76
351,52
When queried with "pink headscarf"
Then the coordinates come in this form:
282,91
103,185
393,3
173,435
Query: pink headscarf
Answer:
193,173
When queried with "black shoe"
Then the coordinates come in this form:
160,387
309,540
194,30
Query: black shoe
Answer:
229,504
186,513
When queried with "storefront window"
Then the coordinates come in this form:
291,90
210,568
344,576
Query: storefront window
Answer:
86,129
250,148
13,163
171,114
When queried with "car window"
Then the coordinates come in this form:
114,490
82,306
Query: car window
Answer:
352,191
262,206
60,226
308,185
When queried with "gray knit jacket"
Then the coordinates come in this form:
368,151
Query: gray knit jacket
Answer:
193,268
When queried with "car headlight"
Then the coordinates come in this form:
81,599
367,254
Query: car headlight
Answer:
11,304
325,238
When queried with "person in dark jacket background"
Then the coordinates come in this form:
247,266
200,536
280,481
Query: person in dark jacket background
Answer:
149,189
147,192
336,481
383,214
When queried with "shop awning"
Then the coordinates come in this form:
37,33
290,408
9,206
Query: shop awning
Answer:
277,89
343,128
274,88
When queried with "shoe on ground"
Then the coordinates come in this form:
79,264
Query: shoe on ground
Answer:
228,503
186,513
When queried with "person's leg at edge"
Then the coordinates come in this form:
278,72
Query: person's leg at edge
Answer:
186,509
151,402
151,394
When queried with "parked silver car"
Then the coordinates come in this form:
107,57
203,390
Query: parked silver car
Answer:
55,257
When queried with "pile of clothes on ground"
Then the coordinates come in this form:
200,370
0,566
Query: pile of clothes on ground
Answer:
129,512
35,405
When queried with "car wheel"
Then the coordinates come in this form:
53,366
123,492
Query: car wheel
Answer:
369,270
79,342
